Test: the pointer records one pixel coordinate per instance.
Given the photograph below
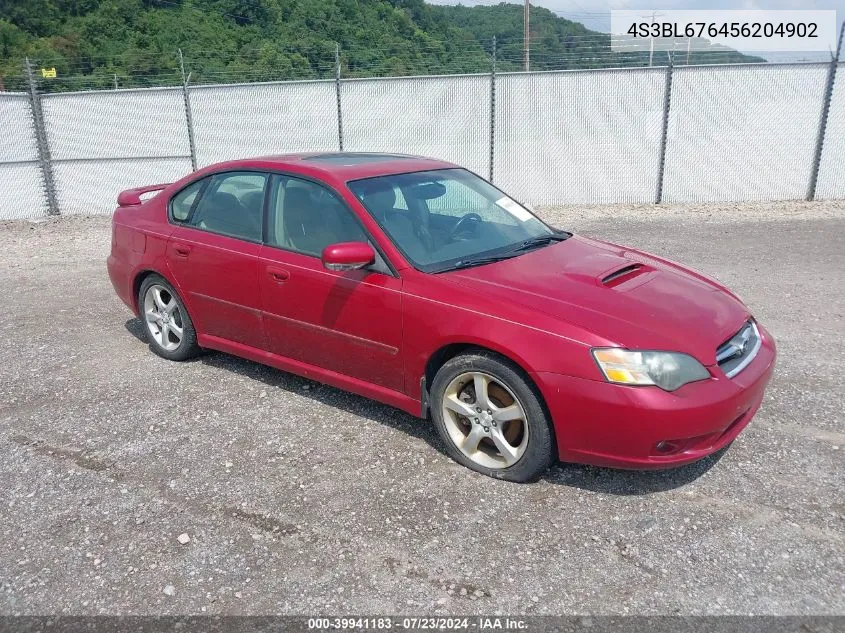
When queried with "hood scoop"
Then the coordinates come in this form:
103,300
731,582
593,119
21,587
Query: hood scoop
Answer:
621,275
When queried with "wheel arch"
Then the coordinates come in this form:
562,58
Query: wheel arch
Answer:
139,278
448,351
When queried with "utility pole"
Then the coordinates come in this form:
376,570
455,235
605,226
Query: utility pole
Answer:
526,34
651,39
651,43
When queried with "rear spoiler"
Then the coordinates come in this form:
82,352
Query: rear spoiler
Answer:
132,197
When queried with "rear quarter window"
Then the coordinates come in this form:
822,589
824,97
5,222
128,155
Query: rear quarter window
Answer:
181,203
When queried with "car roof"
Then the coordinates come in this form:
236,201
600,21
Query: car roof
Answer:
339,165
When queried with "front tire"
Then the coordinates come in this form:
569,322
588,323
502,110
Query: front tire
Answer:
491,417
169,330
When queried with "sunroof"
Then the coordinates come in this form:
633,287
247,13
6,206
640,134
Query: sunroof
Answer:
353,158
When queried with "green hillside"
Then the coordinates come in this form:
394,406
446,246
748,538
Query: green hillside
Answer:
97,43
557,43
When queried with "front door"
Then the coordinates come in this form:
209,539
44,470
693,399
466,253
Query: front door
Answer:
213,255
347,322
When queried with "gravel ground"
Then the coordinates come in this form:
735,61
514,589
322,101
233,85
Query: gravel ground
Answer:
131,485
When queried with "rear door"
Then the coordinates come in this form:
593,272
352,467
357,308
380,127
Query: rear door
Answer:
348,322
213,254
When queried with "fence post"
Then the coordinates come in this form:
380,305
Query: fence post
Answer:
664,135
337,92
828,94
41,143
189,117
492,110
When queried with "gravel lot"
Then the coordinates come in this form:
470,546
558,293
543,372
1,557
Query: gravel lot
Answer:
298,498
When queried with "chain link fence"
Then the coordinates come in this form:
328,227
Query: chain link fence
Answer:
237,121
743,133
22,190
637,135
579,136
104,142
445,117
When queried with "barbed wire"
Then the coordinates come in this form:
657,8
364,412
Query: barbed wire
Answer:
317,61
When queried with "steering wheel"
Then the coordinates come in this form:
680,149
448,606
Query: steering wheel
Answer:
468,223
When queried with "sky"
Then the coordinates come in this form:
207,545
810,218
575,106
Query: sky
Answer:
596,16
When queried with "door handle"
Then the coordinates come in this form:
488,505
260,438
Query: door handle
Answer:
279,275
182,250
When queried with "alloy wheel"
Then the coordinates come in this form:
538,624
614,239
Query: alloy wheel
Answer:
485,420
163,317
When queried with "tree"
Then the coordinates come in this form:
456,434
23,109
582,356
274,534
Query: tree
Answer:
91,41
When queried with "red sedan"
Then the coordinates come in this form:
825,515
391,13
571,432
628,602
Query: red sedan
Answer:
419,284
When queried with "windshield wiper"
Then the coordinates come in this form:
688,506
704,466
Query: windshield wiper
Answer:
469,262
542,240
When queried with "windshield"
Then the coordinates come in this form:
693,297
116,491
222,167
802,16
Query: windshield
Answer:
445,218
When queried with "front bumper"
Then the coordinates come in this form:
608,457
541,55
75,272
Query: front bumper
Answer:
619,426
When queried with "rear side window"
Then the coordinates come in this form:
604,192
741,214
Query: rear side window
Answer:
180,205
232,205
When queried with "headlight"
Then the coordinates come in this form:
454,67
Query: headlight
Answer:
667,370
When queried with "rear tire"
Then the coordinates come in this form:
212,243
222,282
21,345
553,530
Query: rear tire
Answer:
505,433
167,325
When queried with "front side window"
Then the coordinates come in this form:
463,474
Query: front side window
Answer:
306,217
447,216
232,205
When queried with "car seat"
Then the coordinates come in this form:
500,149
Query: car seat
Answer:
306,228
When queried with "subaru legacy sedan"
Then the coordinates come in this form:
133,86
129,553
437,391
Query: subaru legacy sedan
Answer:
416,283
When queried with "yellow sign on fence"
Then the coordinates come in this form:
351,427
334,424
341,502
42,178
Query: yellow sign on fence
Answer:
48,73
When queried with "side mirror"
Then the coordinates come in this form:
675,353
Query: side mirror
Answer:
348,256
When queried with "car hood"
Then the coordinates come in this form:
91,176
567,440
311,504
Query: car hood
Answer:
624,296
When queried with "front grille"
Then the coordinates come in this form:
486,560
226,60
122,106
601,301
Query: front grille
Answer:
737,352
